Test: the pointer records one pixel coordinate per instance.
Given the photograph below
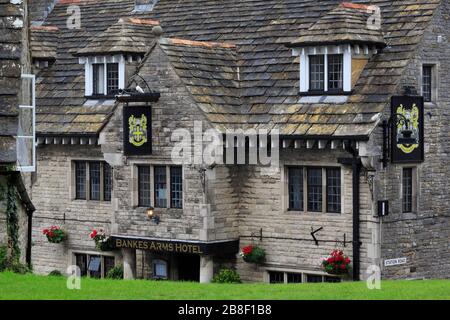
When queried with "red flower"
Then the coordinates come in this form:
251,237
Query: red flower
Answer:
93,234
51,234
45,231
247,250
343,266
330,260
347,260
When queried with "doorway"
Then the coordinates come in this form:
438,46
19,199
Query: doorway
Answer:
189,267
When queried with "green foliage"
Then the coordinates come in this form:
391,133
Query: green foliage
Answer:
12,224
3,258
257,255
227,276
55,273
115,273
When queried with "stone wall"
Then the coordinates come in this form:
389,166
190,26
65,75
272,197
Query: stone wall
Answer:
52,197
423,236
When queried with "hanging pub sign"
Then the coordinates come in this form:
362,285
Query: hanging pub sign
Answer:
137,130
407,145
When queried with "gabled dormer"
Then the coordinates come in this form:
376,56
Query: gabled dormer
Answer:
114,55
334,51
43,45
144,5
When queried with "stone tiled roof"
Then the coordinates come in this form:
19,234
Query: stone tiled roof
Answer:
44,42
128,35
258,83
347,23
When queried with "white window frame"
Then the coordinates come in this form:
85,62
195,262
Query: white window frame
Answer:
88,69
346,50
32,107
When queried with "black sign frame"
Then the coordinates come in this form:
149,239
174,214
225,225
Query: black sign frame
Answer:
407,154
140,148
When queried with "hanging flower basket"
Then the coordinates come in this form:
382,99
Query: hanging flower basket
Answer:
55,234
337,263
102,241
253,254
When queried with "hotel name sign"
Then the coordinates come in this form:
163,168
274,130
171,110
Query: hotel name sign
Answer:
172,246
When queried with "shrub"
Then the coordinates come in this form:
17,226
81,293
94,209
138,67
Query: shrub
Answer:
115,273
7,264
227,276
55,273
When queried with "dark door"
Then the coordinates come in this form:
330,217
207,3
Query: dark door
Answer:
188,267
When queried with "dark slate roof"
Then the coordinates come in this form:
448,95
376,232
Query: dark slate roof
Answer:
128,35
347,23
263,91
44,42
10,82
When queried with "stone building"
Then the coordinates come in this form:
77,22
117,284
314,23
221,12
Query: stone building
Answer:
16,132
121,82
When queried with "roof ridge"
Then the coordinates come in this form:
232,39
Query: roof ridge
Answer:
44,28
207,44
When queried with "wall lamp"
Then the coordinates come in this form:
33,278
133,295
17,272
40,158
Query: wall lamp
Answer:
152,215
404,136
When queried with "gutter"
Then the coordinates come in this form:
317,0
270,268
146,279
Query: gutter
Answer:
355,162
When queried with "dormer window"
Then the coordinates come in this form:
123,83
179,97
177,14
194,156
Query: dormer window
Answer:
335,50
104,76
144,5
326,73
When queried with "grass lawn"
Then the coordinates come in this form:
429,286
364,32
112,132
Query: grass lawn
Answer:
32,287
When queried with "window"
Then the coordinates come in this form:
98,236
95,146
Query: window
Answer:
295,189
320,195
107,182
299,277
427,83
94,266
176,187
167,181
407,189
276,277
94,180
99,175
98,78
334,78
315,189
144,5
159,269
316,73
160,187
294,278
333,190
112,78
104,75
80,180
144,186
314,278
335,72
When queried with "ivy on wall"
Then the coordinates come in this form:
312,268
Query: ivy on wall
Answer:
12,222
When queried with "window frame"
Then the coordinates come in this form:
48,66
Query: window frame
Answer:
434,81
306,210
168,174
90,62
414,189
87,180
87,255
303,274
348,54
